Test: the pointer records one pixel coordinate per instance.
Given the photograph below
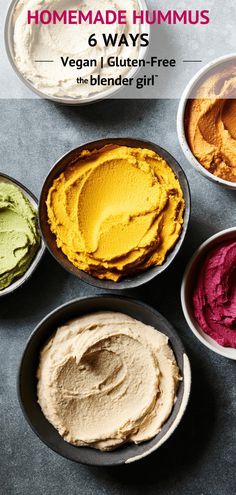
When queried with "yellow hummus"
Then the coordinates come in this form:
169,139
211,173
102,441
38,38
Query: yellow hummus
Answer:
116,210
211,124
105,379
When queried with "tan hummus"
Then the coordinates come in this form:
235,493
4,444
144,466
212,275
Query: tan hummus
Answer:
105,379
211,124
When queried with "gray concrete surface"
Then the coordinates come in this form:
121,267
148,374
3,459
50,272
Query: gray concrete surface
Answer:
199,459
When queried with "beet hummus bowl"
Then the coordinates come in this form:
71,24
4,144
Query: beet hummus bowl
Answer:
208,293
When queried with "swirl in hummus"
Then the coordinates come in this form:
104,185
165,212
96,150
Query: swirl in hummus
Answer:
210,123
116,211
214,297
105,379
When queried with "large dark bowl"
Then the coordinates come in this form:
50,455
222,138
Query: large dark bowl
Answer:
27,382
50,239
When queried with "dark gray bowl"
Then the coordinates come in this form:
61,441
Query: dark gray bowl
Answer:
50,240
27,381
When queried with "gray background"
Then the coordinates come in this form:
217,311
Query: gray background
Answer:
199,459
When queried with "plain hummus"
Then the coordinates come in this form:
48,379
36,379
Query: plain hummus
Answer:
35,44
211,124
116,211
106,379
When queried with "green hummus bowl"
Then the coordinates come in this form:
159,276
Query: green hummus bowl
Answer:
21,247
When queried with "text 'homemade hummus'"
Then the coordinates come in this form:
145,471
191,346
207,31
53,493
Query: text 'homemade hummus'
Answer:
106,379
116,211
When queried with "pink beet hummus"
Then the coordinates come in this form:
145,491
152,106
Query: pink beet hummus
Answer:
214,296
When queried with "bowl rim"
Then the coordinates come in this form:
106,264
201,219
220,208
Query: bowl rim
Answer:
227,352
20,281
149,274
186,379
95,98
181,116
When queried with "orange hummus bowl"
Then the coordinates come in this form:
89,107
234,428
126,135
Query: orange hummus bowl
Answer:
145,272
191,93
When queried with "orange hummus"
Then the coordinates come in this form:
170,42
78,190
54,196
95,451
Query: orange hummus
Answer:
210,124
116,211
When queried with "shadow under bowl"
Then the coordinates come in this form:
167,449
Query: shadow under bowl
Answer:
27,382
50,239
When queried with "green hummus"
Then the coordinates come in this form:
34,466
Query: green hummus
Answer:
19,235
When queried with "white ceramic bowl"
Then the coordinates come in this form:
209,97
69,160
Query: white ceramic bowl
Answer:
18,282
187,94
9,44
187,287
